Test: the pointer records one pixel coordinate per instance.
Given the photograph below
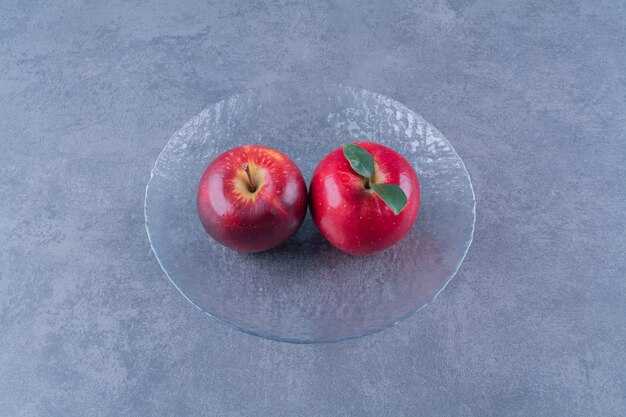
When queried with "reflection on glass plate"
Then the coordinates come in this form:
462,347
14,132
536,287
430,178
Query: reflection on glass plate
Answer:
305,291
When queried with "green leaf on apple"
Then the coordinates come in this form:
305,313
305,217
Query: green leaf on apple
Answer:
392,195
363,164
360,160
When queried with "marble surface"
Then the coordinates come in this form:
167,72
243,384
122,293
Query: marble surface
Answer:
530,94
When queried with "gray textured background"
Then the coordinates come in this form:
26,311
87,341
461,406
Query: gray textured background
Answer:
532,96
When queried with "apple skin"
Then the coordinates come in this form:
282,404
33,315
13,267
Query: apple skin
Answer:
354,219
252,221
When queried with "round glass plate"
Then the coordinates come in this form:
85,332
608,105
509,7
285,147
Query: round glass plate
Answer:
306,291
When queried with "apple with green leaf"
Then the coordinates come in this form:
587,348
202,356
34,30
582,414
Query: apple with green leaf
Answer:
364,197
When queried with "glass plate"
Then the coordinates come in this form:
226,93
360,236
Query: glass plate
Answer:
306,291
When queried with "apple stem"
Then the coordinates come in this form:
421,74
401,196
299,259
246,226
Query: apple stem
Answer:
366,183
251,184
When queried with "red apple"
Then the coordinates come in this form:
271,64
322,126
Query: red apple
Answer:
356,212
252,198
